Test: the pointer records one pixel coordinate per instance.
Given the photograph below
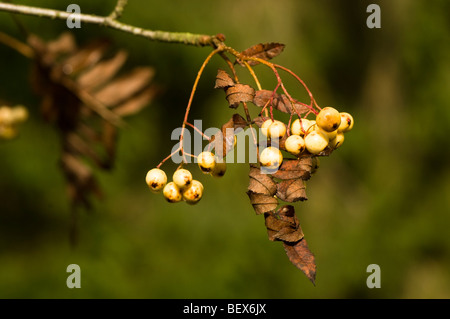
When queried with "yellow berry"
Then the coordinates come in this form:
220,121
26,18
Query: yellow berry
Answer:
219,169
156,179
295,144
172,193
182,178
328,119
271,157
265,127
316,142
300,126
277,129
273,129
193,193
346,122
337,141
206,161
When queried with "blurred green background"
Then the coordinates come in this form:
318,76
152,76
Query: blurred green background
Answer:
382,198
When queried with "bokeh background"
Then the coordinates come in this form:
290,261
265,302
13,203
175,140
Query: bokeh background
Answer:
382,198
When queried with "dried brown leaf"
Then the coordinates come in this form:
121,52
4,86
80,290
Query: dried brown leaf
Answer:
239,121
283,225
239,93
302,258
280,102
265,51
223,80
291,190
295,169
261,183
262,203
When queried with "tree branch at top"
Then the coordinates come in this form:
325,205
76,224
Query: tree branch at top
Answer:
112,22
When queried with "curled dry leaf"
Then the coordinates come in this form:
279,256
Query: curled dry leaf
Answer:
302,258
223,80
261,183
283,225
236,93
239,93
295,169
262,203
291,190
264,51
280,102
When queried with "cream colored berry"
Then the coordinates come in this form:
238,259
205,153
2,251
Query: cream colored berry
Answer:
194,193
219,169
156,179
277,129
265,127
271,157
337,141
300,126
273,129
316,142
346,122
206,162
295,144
172,193
328,119
182,178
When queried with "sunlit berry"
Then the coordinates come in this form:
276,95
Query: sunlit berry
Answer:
337,141
328,119
271,157
316,142
295,144
193,193
182,178
206,162
346,122
219,169
172,193
156,179
300,126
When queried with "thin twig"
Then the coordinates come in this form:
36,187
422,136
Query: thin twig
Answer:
111,22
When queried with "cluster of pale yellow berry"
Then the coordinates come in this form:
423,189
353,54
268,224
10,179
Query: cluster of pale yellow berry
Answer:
306,136
183,187
10,118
